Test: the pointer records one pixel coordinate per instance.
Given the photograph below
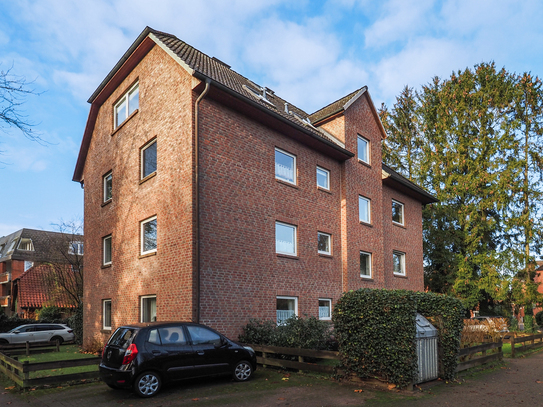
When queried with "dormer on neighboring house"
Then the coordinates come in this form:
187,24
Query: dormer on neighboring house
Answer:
210,198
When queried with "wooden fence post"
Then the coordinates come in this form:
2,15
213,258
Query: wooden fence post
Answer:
512,342
58,345
26,373
301,360
27,348
264,356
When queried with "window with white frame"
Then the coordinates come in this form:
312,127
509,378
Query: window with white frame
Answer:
398,263
323,178
285,166
28,264
287,307
127,104
108,186
26,244
324,243
365,264
148,235
106,314
149,159
363,149
285,238
397,212
75,248
325,309
148,308
106,250
364,209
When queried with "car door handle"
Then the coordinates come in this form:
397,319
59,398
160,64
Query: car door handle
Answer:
201,353
156,352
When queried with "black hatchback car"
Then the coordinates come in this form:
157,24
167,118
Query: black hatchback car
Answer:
145,355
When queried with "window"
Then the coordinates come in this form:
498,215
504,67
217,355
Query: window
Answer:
127,105
106,314
28,264
287,307
108,186
364,209
398,261
171,336
75,248
365,265
363,150
397,212
106,244
285,166
325,309
148,159
148,308
203,336
285,238
26,244
323,178
148,235
325,243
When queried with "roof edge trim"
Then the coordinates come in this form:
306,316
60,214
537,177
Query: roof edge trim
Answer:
167,49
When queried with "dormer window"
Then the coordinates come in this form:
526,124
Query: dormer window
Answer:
127,104
76,248
26,244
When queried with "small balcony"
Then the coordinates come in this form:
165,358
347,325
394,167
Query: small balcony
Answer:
5,278
5,301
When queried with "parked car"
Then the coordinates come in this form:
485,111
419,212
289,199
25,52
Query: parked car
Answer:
38,333
144,356
495,324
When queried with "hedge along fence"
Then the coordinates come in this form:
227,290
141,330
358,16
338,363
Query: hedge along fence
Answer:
376,331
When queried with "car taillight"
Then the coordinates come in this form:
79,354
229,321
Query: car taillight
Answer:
130,354
70,331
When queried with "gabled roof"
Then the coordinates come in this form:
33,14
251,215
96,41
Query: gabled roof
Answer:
336,107
34,290
402,184
204,68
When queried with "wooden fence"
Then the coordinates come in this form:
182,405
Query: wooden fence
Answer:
301,364
522,340
19,372
468,359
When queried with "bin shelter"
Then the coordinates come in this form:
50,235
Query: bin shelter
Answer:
427,355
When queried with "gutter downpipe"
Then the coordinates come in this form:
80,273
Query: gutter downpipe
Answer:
197,198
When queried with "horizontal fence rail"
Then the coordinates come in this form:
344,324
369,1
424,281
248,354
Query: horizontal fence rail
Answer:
474,360
301,364
522,340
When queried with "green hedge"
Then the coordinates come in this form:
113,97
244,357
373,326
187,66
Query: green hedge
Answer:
376,331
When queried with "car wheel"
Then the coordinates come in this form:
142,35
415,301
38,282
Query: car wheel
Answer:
57,338
4,342
243,371
147,384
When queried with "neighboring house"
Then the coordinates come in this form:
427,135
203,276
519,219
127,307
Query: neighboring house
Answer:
23,249
209,198
36,289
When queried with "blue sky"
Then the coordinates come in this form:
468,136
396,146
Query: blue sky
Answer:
309,52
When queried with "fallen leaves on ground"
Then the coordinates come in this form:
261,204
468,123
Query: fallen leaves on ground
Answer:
391,386
359,391
9,388
285,378
195,399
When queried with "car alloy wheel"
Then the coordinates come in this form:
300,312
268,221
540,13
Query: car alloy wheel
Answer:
147,384
243,371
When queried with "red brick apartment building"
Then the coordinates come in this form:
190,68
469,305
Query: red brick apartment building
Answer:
210,198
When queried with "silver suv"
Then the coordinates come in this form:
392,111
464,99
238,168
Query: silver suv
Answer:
38,333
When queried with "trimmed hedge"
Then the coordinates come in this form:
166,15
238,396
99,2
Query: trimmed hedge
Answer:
375,329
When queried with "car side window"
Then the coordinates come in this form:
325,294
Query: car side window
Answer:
154,337
203,336
173,335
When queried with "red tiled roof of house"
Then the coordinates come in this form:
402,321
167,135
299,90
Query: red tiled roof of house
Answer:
34,289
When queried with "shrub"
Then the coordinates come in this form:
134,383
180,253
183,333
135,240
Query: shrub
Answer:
305,333
76,323
376,332
539,318
50,314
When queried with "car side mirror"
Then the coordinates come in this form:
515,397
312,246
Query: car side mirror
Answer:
15,332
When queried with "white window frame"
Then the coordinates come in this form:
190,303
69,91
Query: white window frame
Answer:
125,99
104,239
327,187
295,237
294,171
370,265
402,262
142,236
104,326
28,265
28,244
283,297
360,198
78,246
329,318
329,252
142,159
367,158
402,212
104,188
142,298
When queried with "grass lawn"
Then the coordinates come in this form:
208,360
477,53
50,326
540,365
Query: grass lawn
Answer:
67,352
